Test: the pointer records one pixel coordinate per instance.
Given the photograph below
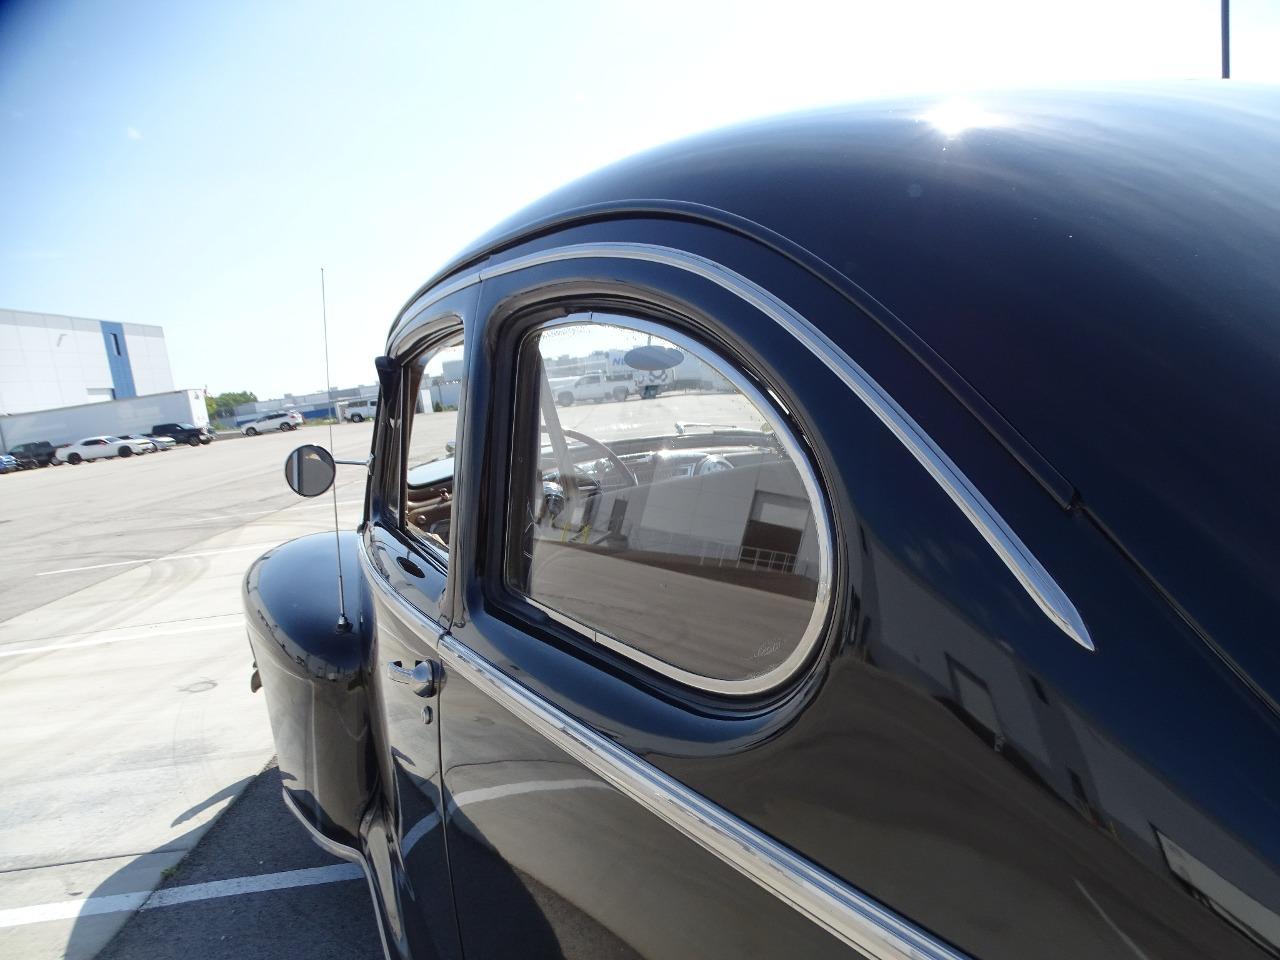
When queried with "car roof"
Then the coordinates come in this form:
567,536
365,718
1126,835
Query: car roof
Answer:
1099,266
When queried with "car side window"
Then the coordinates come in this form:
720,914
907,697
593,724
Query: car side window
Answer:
677,522
434,390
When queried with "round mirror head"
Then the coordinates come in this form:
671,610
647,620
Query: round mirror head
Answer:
653,357
309,470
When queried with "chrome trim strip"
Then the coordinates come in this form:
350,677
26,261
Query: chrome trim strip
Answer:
819,507
823,898
1013,553
427,300
342,852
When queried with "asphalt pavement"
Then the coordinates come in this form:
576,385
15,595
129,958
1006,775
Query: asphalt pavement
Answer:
320,909
129,723
140,810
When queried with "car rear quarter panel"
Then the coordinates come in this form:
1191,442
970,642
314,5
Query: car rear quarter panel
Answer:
952,753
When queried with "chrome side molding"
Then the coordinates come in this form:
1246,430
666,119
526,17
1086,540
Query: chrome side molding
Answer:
846,913
1039,585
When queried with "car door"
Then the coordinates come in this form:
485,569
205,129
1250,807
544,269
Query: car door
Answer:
406,546
795,658
553,693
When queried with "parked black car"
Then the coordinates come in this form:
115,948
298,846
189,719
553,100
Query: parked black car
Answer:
36,453
182,433
945,630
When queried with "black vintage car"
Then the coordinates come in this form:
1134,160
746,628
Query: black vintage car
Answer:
940,623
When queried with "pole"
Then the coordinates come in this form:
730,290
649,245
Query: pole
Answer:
1226,39
343,623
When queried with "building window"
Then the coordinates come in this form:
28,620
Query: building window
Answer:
115,343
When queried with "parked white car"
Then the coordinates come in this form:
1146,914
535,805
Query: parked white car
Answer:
285,420
153,444
595,387
99,448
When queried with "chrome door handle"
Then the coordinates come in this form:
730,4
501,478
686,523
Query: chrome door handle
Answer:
423,676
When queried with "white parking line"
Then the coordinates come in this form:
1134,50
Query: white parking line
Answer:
191,893
173,556
236,516
1137,951
150,631
312,876
259,513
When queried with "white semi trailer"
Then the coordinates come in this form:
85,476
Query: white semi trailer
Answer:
689,374
113,417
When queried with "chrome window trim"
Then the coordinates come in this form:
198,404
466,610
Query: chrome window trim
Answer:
819,506
1030,574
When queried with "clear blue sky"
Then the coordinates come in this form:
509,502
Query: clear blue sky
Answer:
194,164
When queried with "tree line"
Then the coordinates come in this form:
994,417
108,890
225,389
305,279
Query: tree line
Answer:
223,405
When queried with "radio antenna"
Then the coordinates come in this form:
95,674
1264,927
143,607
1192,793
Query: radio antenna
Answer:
343,623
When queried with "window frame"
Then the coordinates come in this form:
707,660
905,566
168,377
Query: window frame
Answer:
658,321
392,481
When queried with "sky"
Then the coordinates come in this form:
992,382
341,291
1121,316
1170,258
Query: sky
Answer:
194,165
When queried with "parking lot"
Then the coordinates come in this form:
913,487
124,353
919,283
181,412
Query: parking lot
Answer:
129,724
124,695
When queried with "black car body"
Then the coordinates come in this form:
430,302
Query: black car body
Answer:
37,453
1020,361
186,433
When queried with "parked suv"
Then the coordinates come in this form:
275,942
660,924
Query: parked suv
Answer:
360,410
286,420
36,453
182,433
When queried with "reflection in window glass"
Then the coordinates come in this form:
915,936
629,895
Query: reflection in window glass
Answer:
662,511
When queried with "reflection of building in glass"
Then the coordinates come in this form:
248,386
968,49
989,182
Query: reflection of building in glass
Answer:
751,515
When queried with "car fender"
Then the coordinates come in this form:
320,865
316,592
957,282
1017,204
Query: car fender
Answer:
316,677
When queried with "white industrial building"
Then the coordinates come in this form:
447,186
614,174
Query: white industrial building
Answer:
49,361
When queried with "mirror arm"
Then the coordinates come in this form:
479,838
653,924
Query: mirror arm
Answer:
354,463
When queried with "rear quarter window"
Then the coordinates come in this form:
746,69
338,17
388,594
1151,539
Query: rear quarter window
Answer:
687,531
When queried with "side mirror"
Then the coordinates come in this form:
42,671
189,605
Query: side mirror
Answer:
309,470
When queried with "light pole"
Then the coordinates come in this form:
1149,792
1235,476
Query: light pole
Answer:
1226,39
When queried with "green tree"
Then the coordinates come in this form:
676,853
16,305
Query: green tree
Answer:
223,406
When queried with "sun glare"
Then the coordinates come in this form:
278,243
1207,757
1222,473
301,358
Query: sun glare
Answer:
954,117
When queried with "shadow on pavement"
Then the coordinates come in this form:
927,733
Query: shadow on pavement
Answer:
256,835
